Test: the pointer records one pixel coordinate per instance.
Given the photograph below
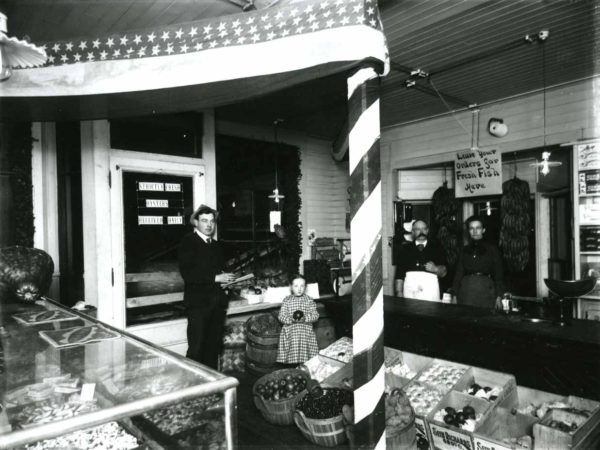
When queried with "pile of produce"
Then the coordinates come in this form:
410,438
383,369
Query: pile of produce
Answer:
523,442
465,418
540,411
442,376
484,392
319,369
263,325
400,369
515,223
283,388
422,398
398,412
445,209
110,436
326,405
563,426
25,272
183,416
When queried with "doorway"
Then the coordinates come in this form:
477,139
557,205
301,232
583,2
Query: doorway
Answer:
152,197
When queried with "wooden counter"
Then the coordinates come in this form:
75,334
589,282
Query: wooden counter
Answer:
545,356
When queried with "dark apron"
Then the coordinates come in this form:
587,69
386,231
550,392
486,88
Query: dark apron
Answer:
477,290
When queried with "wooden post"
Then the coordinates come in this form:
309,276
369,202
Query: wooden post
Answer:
367,278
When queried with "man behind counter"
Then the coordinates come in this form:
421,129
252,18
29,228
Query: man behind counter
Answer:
420,265
201,263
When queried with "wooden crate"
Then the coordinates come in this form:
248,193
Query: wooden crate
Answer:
421,425
549,438
449,437
500,427
524,397
313,363
343,378
414,362
423,375
489,378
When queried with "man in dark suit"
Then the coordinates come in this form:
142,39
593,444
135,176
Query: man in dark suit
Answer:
201,263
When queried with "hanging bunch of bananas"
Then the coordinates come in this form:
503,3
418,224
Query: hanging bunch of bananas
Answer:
445,208
514,224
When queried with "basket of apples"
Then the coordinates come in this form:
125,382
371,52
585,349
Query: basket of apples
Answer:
276,394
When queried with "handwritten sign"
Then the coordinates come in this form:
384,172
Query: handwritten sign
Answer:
477,172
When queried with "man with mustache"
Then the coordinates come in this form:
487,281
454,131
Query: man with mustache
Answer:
421,263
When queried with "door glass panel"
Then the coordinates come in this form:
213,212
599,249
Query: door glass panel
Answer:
156,210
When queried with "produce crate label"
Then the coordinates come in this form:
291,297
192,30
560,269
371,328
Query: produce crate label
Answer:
155,187
155,203
446,439
421,430
482,444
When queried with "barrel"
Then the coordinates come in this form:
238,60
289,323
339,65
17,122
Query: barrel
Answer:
261,350
324,328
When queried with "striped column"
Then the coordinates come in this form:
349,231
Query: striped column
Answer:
367,282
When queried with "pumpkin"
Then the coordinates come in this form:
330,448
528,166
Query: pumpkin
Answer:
25,272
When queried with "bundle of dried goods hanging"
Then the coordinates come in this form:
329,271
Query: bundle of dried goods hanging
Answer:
514,224
445,209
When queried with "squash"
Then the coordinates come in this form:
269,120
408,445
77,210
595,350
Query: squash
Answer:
25,273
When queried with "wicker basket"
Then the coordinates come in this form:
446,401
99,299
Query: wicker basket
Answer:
325,432
278,412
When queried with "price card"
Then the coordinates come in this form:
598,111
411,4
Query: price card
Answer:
87,392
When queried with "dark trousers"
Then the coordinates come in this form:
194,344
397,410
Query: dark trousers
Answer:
205,331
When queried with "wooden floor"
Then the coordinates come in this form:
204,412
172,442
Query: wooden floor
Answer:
255,433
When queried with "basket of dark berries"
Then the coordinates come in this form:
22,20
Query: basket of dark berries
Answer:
319,416
276,394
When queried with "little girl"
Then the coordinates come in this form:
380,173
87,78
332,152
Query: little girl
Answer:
297,341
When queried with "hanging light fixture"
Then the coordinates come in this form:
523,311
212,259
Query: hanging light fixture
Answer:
17,53
276,196
545,163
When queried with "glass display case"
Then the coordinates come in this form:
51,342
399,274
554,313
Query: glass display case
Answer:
586,194
68,380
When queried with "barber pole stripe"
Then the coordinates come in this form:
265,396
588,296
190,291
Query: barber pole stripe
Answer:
367,280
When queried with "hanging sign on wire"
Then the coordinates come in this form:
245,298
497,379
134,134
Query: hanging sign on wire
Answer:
477,172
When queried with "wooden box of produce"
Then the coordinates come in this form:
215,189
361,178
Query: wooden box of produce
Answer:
487,384
402,367
455,418
567,427
505,429
442,374
340,350
343,378
424,399
320,367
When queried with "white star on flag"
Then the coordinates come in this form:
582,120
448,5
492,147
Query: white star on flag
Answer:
226,42
165,35
198,46
193,31
294,12
137,39
110,42
345,20
170,48
151,37
179,33
285,32
308,9
253,29
64,57
238,31
124,40
279,15
56,48
314,26
250,21
299,30
82,45
221,26
90,56
51,58
297,20
326,14
69,46
267,27
184,48
265,18
236,23
77,57
103,54
370,11
96,43
141,52
241,40
255,38
341,10
155,50
270,36
223,33
330,23
311,18
324,5
116,53
357,8
281,24
207,29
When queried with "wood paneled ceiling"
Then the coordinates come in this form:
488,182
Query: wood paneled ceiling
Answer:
424,34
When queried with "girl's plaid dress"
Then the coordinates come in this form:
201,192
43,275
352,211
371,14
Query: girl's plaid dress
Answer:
297,341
